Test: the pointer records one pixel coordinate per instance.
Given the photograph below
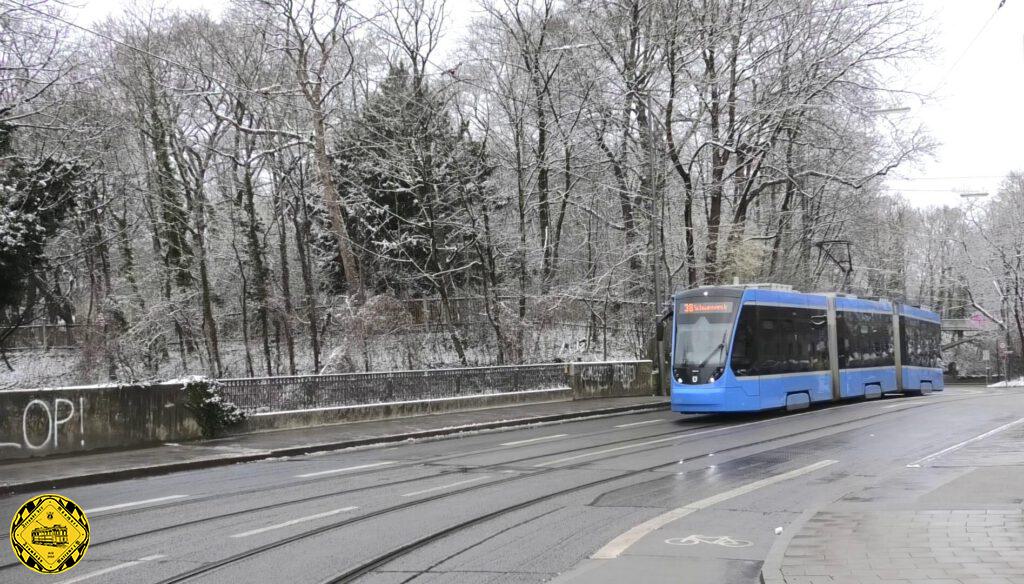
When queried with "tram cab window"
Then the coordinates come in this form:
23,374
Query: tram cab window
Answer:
744,348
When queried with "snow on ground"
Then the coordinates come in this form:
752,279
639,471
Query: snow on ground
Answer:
1019,382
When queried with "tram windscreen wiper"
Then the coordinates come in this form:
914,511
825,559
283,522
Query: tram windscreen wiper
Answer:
712,354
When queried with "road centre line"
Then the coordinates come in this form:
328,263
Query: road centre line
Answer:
448,486
134,503
518,442
917,463
615,547
640,423
341,470
89,575
293,522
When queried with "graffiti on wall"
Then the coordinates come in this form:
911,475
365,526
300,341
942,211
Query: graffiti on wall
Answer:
610,379
624,373
42,423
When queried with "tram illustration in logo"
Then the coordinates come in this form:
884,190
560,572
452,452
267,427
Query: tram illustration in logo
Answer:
55,536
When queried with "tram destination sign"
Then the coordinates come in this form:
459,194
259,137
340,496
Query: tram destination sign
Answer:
707,307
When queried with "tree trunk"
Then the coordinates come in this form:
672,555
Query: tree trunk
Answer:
303,239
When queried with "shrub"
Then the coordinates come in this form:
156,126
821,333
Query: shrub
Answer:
212,412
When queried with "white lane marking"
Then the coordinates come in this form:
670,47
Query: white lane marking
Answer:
517,442
895,405
615,547
113,569
442,487
658,441
294,522
616,449
720,429
340,470
134,503
640,423
917,463
687,435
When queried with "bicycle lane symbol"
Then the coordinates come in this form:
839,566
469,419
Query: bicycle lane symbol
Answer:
722,540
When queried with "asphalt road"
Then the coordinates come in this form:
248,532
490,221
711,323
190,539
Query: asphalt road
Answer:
518,506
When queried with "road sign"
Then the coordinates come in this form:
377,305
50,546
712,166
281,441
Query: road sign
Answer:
986,355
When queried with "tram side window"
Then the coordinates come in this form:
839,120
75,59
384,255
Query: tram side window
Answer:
935,343
789,354
789,340
908,342
846,335
920,342
879,352
865,339
817,338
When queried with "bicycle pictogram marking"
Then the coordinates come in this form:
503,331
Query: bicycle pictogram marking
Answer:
722,540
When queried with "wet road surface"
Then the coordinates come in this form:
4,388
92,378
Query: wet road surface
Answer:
525,505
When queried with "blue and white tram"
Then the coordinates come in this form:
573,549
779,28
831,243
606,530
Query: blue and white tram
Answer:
744,349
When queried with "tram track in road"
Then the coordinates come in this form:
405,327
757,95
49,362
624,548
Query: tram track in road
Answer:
689,430
365,568
181,501
528,473
425,462
398,552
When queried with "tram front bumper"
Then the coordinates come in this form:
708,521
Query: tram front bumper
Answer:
691,399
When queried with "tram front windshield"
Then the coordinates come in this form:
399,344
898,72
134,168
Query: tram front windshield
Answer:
703,330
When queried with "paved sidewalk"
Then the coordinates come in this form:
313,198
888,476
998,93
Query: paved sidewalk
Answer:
939,546
63,471
958,519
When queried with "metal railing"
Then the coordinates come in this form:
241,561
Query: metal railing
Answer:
47,336
304,392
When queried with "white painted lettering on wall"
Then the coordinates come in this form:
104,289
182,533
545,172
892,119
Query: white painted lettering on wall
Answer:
51,417
626,373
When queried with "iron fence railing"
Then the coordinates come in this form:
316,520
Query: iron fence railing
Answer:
47,336
276,394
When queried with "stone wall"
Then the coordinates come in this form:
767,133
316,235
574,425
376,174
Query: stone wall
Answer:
264,421
611,379
43,422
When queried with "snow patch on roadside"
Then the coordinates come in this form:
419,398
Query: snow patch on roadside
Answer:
1019,382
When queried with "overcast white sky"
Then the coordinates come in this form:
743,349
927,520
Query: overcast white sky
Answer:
978,80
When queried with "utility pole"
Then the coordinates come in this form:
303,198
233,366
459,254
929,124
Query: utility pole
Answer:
1004,313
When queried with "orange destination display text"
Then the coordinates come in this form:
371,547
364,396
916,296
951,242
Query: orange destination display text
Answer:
706,307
